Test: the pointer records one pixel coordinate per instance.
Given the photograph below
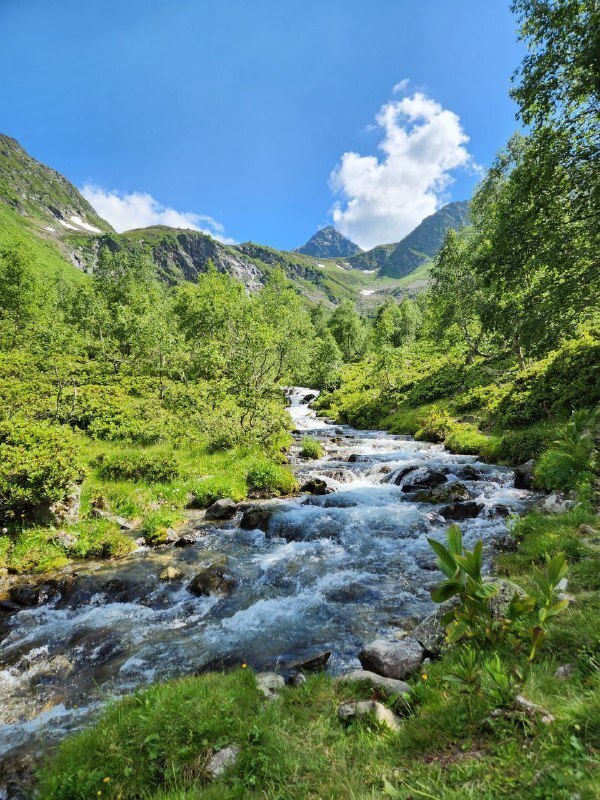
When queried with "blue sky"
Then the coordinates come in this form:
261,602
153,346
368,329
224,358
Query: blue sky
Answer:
239,110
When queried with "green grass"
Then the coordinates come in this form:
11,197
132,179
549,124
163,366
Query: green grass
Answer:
311,448
15,229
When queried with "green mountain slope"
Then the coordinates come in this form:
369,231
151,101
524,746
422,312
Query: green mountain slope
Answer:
424,242
42,208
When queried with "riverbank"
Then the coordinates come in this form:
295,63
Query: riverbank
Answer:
442,749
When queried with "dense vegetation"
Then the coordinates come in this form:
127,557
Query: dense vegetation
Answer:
149,390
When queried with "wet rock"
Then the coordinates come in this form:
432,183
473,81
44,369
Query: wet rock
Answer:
427,482
385,470
316,663
25,594
212,578
524,475
270,684
348,712
189,537
354,458
351,593
556,503
392,659
307,399
170,574
399,476
316,486
256,518
452,493
565,671
461,511
431,632
386,686
334,500
501,510
8,606
118,591
469,473
225,508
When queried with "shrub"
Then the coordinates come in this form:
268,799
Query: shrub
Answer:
519,446
466,439
445,381
435,427
568,463
156,523
207,491
311,448
136,466
36,551
265,476
39,463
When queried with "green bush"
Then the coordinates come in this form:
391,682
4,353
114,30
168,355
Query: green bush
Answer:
36,550
435,426
39,463
311,448
265,476
446,381
207,491
467,440
156,523
138,466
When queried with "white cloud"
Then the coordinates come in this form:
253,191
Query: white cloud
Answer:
401,86
126,211
387,197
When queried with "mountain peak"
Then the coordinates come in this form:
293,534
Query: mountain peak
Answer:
328,242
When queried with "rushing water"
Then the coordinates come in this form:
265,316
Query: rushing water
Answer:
331,573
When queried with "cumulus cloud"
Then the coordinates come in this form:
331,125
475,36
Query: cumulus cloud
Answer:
386,197
126,211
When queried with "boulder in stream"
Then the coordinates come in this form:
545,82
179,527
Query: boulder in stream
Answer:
225,508
524,475
212,578
255,518
316,663
424,483
392,659
448,493
461,511
316,486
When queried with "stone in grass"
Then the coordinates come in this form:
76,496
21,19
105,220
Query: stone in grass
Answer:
222,760
386,686
348,712
392,659
269,684
564,672
225,508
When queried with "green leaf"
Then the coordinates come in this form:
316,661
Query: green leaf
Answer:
557,569
557,608
445,590
454,535
456,631
446,560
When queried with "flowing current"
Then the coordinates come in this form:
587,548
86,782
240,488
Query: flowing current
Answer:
331,572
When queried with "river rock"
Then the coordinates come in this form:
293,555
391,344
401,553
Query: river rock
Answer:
333,500
351,593
399,476
255,518
427,482
212,579
307,399
122,522
316,486
221,509
270,684
315,663
386,686
25,594
222,760
524,475
451,493
431,632
392,659
170,574
461,511
348,712
469,473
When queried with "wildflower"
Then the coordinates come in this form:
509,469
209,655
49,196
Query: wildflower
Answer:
244,665
106,780
425,677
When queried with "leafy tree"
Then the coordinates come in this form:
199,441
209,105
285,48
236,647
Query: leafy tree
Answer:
18,294
348,330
